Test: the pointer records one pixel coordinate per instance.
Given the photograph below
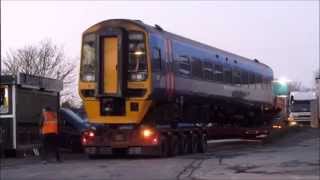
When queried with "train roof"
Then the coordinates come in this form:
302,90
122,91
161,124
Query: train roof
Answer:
253,64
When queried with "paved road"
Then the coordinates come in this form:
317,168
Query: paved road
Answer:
294,156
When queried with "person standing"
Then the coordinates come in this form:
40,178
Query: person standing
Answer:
49,134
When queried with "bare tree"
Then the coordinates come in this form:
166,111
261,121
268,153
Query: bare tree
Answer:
43,59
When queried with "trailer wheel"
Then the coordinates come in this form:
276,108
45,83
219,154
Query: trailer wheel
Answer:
203,144
194,144
164,148
183,145
93,156
174,146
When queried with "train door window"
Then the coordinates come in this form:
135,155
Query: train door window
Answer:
157,44
244,78
227,74
236,76
218,72
196,68
156,59
251,80
4,99
207,71
184,67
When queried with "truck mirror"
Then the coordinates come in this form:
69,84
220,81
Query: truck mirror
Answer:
291,100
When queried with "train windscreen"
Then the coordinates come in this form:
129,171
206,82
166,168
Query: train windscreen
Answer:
88,63
137,62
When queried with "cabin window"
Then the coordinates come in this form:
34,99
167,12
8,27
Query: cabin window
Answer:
244,77
227,74
4,100
207,71
236,76
218,73
196,68
184,67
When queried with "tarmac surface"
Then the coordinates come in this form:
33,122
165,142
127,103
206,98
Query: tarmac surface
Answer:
293,155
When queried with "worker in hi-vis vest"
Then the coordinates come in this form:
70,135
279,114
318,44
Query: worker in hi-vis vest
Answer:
49,133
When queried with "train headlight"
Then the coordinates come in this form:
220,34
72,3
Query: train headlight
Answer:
293,123
140,76
146,133
88,77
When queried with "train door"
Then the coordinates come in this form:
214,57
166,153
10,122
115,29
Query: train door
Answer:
112,74
169,70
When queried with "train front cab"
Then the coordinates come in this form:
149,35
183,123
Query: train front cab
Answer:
115,83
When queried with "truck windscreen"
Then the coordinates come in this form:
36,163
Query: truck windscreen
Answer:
300,106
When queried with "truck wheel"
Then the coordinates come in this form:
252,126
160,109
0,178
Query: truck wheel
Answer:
93,156
194,144
203,144
183,145
164,148
174,146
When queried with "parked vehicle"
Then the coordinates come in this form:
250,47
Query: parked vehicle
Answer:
71,127
300,108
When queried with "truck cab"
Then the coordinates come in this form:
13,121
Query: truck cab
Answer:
300,108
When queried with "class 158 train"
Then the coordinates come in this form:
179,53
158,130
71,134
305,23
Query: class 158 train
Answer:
149,91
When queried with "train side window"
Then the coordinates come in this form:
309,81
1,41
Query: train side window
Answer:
196,68
244,77
251,80
184,67
236,76
218,72
259,81
207,71
156,58
227,74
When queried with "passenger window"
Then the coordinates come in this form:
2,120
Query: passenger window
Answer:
244,77
184,67
156,58
227,75
207,71
236,76
251,80
196,68
218,72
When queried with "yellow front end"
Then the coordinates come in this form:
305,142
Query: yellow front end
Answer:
103,56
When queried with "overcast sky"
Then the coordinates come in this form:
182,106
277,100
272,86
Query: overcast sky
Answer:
283,35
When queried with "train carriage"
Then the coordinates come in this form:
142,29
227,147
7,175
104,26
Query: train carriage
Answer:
134,76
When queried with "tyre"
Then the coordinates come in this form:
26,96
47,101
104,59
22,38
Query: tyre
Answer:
194,144
203,144
174,146
164,148
183,145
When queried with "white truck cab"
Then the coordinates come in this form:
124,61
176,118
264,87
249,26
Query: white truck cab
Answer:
300,107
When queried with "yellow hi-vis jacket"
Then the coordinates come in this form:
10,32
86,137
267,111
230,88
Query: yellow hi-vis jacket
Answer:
50,123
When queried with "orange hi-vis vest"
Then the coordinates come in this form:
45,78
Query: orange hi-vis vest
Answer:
50,123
